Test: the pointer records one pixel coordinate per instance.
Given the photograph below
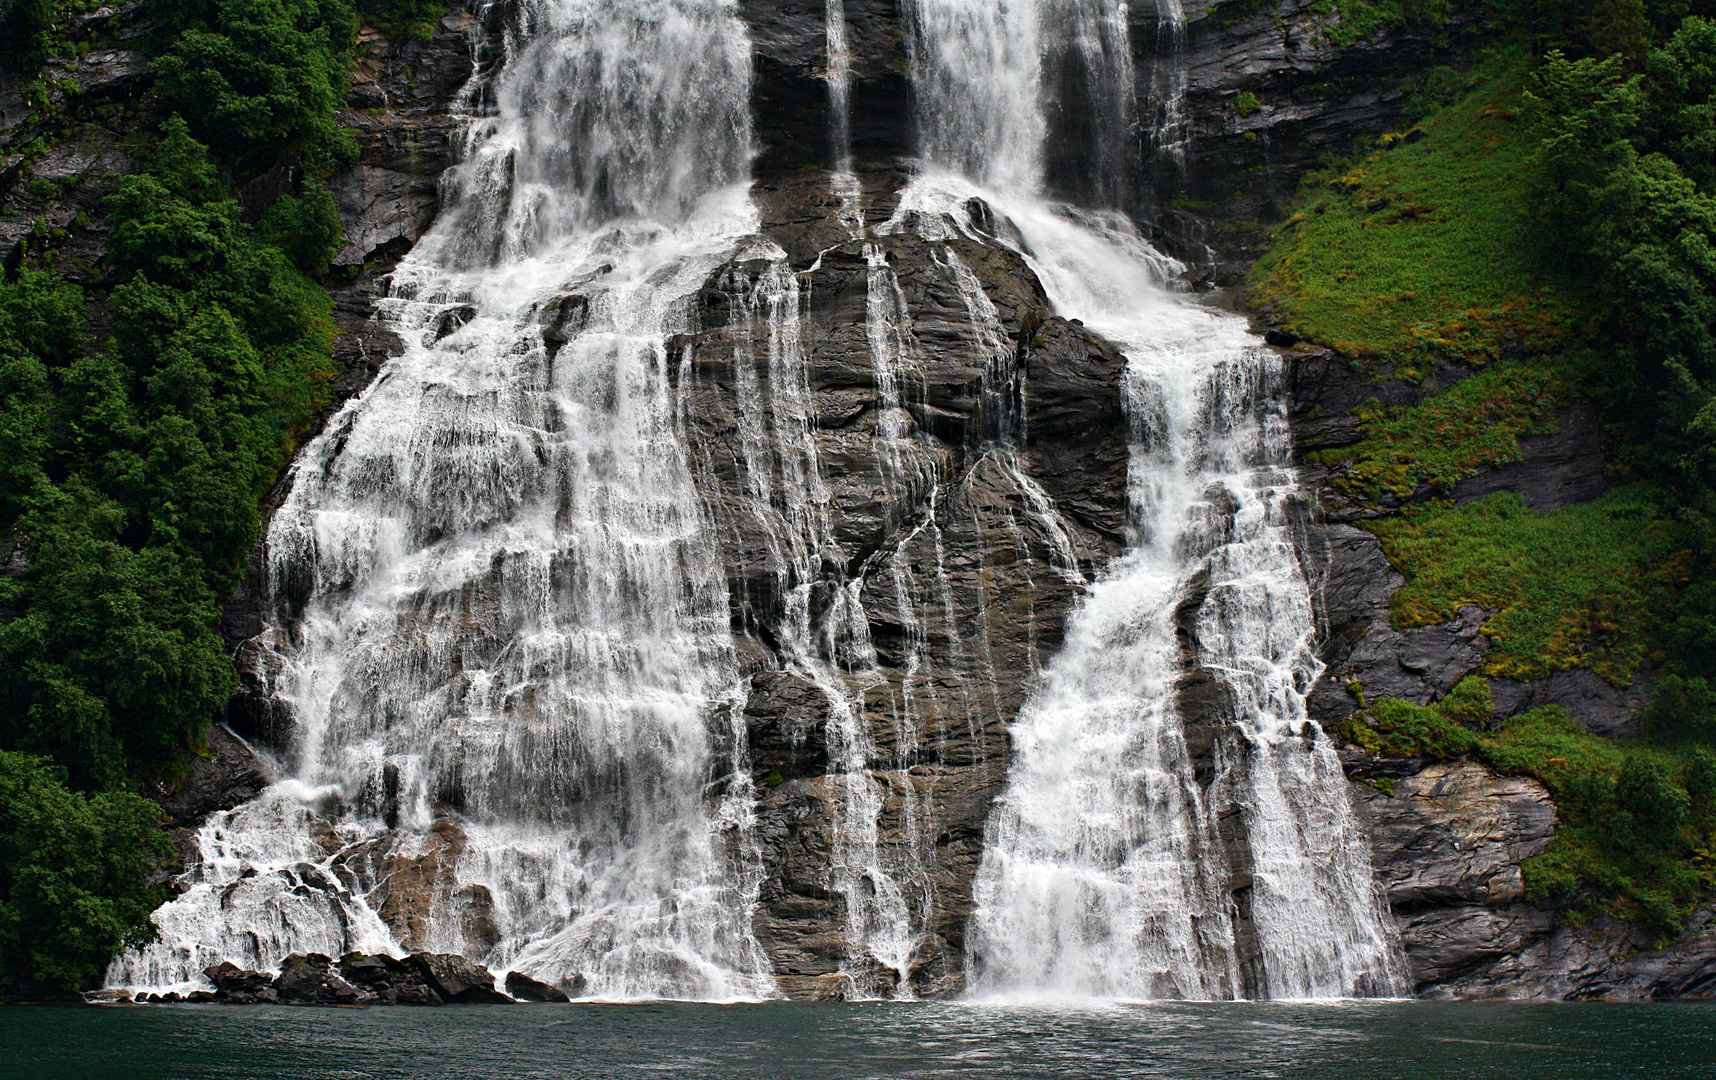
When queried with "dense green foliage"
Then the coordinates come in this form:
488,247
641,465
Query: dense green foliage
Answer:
256,77
71,873
136,469
131,467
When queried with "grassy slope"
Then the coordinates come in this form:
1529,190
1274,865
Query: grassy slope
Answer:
1424,249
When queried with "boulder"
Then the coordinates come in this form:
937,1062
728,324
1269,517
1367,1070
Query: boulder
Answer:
230,979
308,979
525,988
393,981
457,979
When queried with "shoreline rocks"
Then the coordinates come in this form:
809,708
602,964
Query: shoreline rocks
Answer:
420,978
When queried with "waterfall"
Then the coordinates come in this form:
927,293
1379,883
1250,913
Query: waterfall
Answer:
498,618
1165,95
1123,859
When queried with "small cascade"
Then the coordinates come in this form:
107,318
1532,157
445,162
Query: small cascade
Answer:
1125,859
839,84
499,623
1167,140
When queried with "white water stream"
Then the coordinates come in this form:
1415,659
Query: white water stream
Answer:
1106,871
500,621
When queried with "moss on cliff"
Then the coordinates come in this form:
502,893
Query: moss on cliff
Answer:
1425,249
1475,424
1587,586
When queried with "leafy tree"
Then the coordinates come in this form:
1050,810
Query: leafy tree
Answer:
74,873
258,77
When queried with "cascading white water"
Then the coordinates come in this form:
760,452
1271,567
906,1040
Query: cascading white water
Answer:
501,625
1105,870
1166,93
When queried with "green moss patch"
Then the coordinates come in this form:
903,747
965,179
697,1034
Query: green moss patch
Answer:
1475,424
1425,249
1587,586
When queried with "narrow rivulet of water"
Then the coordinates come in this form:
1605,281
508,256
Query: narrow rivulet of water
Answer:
498,618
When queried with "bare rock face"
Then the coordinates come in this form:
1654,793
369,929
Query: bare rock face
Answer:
1447,846
1455,834
1352,581
1604,960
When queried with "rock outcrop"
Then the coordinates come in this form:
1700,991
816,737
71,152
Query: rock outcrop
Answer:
1448,841
421,978
965,554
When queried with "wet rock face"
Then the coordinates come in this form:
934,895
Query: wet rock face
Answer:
964,547
1241,167
790,102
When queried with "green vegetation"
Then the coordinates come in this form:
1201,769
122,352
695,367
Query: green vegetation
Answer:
404,18
1425,250
32,30
1637,822
1587,586
1358,20
1475,424
72,870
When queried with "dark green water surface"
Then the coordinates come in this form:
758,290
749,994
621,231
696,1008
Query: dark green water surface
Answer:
1407,1040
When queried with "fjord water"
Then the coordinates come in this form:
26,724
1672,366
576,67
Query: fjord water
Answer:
1106,873
1347,1041
492,583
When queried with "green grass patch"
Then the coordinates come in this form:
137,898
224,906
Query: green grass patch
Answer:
1637,822
1425,249
1473,425
1587,586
